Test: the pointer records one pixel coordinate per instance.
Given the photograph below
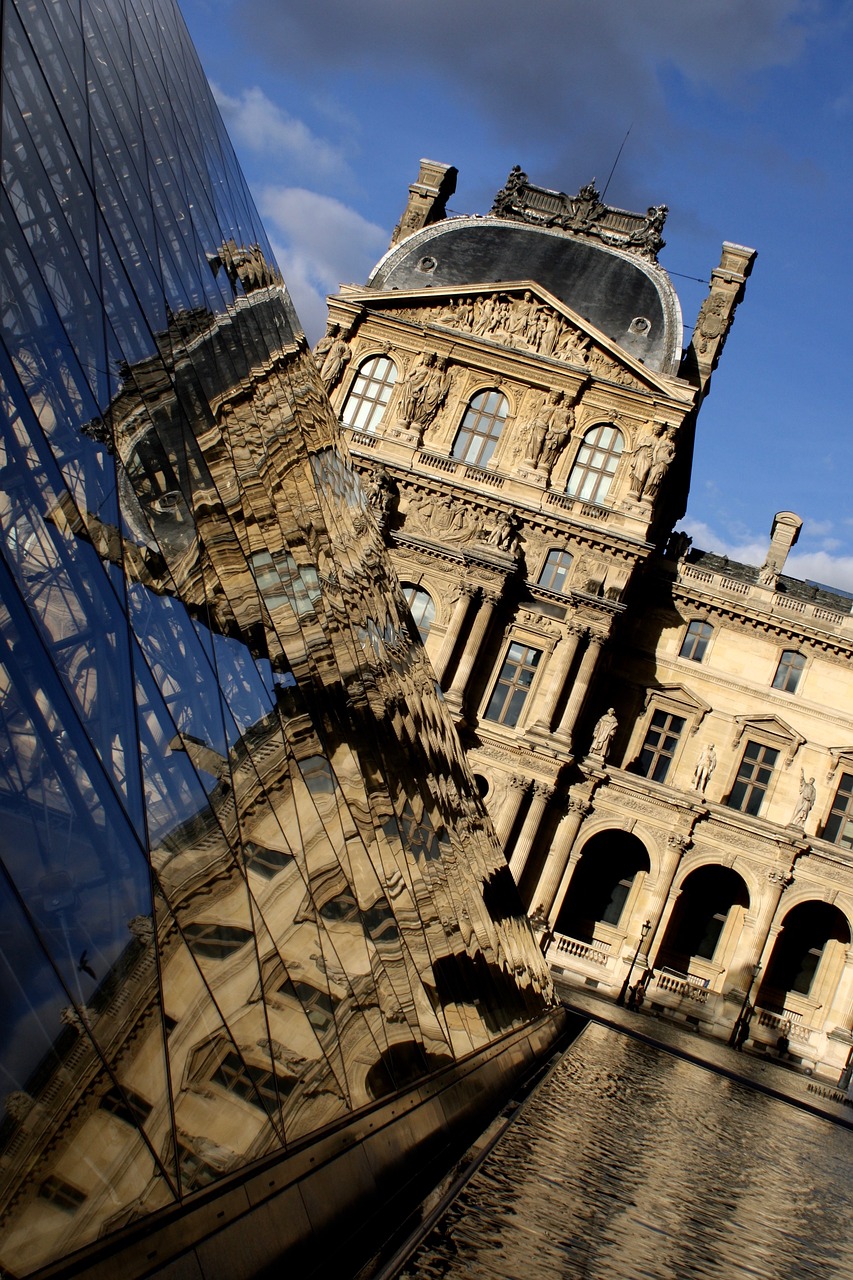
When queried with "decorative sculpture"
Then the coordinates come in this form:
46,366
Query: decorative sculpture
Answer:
705,766
602,734
804,805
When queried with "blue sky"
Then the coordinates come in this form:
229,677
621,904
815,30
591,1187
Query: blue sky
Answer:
741,120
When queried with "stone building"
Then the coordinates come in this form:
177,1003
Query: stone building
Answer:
664,739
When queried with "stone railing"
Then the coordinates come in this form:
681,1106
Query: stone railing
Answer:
685,985
596,951
789,1021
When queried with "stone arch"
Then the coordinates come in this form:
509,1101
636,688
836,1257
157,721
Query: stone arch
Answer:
703,918
603,882
806,958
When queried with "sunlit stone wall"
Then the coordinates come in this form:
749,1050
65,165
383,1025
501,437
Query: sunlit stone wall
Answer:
247,884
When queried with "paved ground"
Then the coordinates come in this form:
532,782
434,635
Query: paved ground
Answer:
754,1069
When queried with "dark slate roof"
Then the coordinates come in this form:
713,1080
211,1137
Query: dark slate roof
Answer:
796,588
610,288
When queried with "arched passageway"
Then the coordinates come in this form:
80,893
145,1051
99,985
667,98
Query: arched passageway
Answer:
813,935
602,883
699,918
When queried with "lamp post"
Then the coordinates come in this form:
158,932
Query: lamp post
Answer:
644,931
741,1016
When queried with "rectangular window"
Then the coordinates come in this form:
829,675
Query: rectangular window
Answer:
253,1084
839,825
516,677
695,640
659,746
555,571
788,672
753,778
62,1194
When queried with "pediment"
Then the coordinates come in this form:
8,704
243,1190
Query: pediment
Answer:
523,317
771,730
680,699
840,757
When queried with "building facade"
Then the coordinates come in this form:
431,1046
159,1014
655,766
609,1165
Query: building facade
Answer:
261,948
662,738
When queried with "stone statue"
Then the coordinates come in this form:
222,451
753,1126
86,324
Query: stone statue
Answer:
331,354
662,456
505,197
803,808
641,465
504,535
413,389
548,432
602,734
433,393
705,766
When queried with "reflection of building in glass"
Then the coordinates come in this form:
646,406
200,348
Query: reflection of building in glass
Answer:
248,886
660,735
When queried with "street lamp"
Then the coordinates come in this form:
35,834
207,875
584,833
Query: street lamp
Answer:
644,931
741,1018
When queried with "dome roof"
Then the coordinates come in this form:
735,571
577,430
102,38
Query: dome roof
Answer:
628,298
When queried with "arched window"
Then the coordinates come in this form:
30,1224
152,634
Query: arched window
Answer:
421,607
788,672
370,393
555,570
595,465
481,428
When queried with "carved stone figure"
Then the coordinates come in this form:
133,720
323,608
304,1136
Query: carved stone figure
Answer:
380,491
505,197
413,389
804,805
331,354
434,393
641,465
536,432
705,766
662,457
561,424
504,535
709,322
602,734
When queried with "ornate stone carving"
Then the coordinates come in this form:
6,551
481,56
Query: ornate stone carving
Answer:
331,354
580,805
142,927
18,1105
423,391
441,519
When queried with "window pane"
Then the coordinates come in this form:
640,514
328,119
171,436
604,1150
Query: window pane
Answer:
421,607
659,747
753,778
595,464
839,826
370,393
696,640
513,685
789,670
555,570
481,428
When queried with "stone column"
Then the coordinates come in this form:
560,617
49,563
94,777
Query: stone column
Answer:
564,657
505,820
455,695
767,925
676,847
577,697
557,861
542,793
565,883
457,622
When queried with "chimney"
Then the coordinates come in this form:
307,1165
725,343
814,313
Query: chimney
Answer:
427,199
783,536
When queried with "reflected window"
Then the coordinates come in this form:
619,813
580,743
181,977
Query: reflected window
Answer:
195,1172
318,1005
513,685
421,607
253,1084
753,778
380,923
695,640
216,941
370,393
788,672
318,775
660,744
61,1194
126,1105
595,465
839,824
266,862
341,909
555,570
481,428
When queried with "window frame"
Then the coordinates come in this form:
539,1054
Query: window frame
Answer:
751,787
584,467
410,590
555,554
513,685
699,641
789,674
845,814
489,439
360,397
659,753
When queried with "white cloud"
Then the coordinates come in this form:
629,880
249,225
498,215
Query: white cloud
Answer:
319,243
255,122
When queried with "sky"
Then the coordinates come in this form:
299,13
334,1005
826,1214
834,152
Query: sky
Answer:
737,114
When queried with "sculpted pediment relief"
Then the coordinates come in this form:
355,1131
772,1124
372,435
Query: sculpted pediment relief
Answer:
527,318
772,730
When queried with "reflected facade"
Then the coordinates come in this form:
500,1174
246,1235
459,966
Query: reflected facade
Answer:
248,884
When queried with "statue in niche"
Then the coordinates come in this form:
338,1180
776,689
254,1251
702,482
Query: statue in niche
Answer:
331,354
705,766
561,424
663,454
804,805
381,492
412,389
602,734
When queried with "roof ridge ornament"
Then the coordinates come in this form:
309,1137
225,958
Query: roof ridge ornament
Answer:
584,214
